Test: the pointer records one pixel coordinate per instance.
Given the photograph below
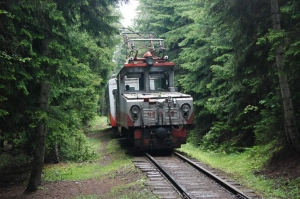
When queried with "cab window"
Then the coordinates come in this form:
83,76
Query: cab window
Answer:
159,81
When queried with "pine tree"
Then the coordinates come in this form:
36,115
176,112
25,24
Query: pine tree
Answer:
63,51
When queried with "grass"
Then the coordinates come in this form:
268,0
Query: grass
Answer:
245,167
126,191
90,169
98,123
93,169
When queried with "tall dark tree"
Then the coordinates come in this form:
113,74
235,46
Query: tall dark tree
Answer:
291,128
94,18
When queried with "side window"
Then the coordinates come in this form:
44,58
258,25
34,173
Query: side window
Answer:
132,84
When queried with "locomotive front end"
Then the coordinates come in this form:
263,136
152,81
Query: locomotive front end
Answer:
164,121
150,113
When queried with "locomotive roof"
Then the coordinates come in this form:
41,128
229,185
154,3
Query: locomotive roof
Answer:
141,63
155,95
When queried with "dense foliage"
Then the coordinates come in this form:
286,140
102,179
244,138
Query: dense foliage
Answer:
55,57
225,56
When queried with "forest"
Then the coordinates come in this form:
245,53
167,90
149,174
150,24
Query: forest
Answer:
238,59
55,58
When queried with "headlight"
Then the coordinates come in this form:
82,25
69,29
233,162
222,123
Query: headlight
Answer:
135,112
149,61
185,108
135,109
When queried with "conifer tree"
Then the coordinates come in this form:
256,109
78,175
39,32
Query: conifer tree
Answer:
291,128
57,55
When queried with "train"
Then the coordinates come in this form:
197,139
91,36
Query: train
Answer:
143,105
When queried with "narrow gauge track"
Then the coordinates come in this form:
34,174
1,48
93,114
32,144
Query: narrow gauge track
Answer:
183,175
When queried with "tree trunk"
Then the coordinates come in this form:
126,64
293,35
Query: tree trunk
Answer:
56,152
1,140
37,166
291,129
39,152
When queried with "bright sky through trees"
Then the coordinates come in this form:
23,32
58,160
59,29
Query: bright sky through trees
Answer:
129,12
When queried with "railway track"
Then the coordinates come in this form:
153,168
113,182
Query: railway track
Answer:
177,176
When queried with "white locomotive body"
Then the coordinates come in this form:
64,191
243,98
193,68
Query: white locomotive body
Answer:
144,106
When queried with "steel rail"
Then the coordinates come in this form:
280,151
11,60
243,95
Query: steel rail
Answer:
185,194
238,193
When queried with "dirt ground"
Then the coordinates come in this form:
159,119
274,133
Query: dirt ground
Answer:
12,184
284,164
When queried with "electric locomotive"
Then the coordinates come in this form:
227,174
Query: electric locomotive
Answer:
144,106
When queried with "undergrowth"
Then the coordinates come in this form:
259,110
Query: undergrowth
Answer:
90,169
97,169
13,161
97,124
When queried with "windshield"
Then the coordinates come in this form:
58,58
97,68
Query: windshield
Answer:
159,81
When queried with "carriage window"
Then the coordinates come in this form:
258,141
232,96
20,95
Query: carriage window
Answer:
159,81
